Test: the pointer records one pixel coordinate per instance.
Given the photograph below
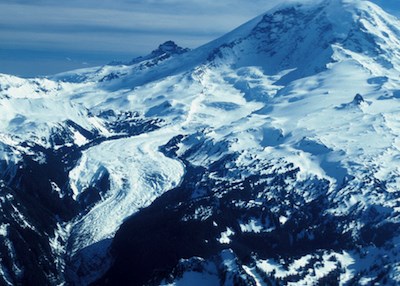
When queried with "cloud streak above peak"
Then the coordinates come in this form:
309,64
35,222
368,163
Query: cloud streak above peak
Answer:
98,31
106,29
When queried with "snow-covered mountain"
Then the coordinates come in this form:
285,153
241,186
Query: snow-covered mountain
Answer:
269,156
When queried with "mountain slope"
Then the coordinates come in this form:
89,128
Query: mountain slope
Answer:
267,156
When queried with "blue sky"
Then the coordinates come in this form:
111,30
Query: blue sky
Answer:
39,37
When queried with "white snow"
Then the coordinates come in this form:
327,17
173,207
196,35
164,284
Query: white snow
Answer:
283,219
58,245
258,96
56,189
310,272
3,230
225,236
80,139
253,225
139,173
19,217
253,273
201,213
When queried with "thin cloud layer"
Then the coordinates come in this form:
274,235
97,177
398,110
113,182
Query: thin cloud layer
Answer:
107,30
98,31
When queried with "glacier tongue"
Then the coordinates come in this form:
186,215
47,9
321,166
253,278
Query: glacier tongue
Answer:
138,173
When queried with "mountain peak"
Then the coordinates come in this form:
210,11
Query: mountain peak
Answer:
307,36
341,14
165,50
169,47
361,4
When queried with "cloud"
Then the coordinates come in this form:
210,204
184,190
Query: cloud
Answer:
39,22
110,29
113,28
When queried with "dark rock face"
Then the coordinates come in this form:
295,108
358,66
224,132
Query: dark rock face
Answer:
22,244
188,223
169,47
164,51
31,209
358,99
